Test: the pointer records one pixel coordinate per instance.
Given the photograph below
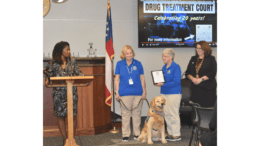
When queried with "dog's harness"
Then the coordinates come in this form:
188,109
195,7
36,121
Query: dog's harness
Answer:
147,119
156,112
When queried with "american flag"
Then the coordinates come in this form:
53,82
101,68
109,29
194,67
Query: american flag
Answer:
109,56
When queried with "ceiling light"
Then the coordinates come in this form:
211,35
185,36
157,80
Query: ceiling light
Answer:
59,1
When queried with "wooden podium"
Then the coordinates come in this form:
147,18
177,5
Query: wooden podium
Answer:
93,115
78,81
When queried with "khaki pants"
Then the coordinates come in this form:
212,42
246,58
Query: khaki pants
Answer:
131,102
171,110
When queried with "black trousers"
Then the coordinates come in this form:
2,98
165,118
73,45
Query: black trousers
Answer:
206,98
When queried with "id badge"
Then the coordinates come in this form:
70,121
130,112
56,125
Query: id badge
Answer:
131,82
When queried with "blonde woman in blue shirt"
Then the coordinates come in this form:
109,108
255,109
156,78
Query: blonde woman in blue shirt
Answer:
130,88
171,91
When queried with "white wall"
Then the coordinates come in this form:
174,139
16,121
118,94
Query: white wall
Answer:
83,21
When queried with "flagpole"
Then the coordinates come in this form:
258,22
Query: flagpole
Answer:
114,130
113,79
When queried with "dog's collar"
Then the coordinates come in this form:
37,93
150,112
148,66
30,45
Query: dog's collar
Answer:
158,112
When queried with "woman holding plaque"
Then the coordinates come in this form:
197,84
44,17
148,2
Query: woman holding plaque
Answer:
172,93
62,65
130,88
202,70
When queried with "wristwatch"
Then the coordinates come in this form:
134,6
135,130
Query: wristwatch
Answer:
116,92
202,79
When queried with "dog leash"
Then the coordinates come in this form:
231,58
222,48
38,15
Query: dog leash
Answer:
147,103
124,106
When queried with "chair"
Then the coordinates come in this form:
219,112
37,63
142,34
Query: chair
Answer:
185,96
194,121
185,108
204,116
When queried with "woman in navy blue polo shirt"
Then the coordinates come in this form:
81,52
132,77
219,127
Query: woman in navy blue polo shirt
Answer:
130,88
171,91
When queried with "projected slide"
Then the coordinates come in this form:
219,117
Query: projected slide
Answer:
171,23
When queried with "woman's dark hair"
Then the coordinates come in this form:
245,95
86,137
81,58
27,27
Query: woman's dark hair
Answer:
205,47
57,51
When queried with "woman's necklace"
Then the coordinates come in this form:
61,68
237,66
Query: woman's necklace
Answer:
198,66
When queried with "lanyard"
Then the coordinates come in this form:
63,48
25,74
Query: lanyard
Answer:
131,69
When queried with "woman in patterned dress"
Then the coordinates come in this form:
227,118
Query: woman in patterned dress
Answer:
62,65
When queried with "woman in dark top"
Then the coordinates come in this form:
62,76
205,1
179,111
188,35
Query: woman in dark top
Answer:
62,65
202,71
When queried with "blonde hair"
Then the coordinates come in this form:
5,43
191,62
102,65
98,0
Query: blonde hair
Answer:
124,49
169,52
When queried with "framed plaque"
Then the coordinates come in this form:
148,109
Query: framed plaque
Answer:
158,76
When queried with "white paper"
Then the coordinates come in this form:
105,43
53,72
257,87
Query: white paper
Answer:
158,76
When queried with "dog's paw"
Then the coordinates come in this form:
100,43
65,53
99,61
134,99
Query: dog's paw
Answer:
150,142
143,140
139,138
164,141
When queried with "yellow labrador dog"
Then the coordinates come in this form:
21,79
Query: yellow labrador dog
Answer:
154,124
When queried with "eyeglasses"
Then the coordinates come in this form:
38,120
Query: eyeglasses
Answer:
165,56
198,48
